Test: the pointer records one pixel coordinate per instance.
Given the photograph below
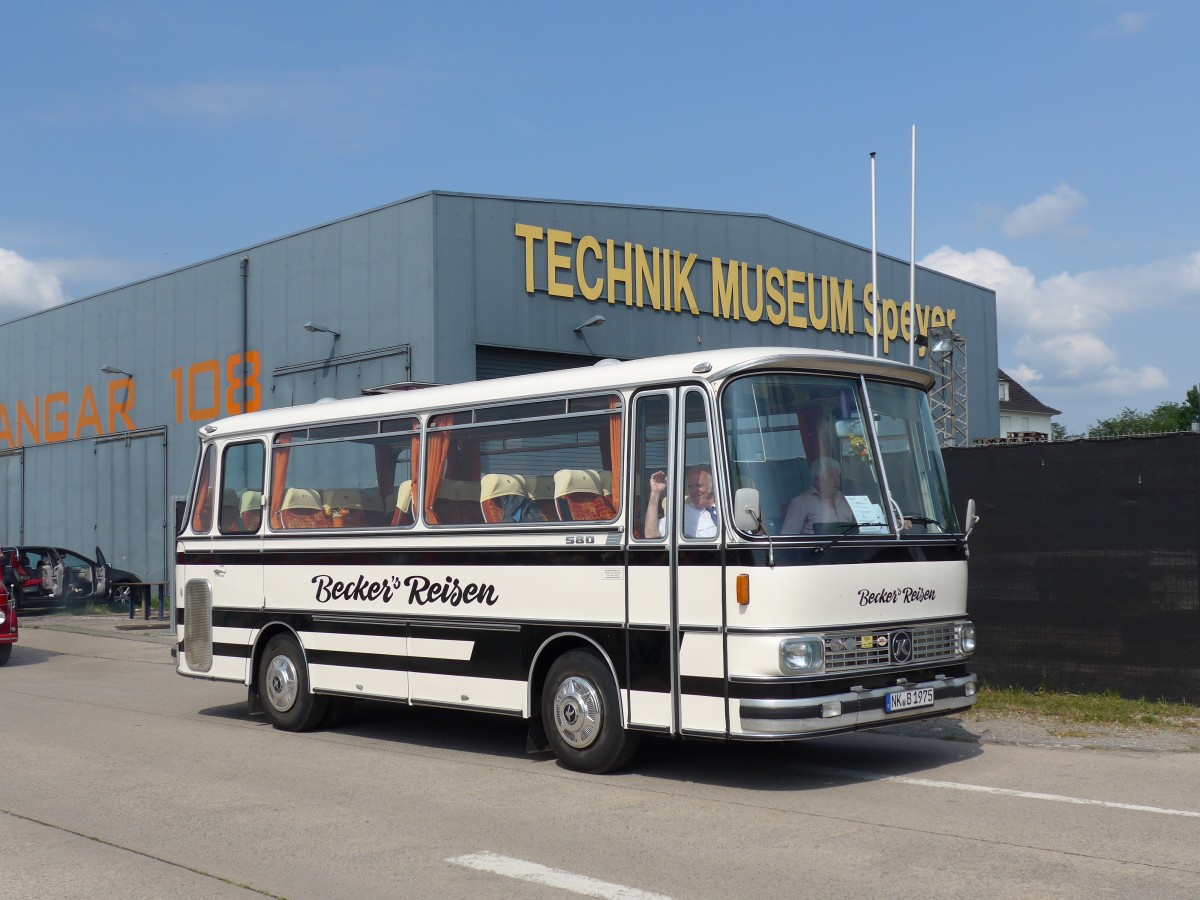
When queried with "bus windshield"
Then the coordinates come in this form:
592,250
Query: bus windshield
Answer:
802,443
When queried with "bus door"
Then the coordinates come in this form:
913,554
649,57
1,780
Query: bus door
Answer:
675,653
649,581
237,571
698,584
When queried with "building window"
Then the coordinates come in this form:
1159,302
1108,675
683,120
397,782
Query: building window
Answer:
1004,392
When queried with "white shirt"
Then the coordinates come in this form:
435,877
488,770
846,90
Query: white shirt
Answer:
697,522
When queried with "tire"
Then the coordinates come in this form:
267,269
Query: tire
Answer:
122,592
284,689
5,653
582,715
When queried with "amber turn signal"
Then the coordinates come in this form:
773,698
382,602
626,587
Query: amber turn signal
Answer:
743,590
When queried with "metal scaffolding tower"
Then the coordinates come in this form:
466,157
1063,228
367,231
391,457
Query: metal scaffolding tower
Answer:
948,401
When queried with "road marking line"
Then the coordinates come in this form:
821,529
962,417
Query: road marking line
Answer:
568,881
1008,792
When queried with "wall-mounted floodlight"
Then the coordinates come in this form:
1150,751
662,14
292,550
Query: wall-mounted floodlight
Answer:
113,370
590,323
941,339
314,328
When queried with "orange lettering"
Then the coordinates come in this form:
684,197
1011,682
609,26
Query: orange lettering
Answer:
34,425
57,417
120,407
88,414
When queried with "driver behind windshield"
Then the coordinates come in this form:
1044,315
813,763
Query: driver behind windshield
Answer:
823,503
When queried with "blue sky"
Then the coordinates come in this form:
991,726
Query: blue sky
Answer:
1056,161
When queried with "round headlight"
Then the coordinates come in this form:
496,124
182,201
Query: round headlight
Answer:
966,638
801,656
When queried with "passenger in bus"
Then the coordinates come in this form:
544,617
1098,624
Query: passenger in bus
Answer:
821,504
700,511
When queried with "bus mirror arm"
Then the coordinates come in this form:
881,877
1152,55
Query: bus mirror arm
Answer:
748,518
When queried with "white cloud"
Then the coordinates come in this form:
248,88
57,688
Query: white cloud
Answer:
1053,327
1049,213
26,286
1125,24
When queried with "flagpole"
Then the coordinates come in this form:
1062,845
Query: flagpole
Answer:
874,269
912,257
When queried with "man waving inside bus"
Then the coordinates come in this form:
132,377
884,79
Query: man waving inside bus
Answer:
700,511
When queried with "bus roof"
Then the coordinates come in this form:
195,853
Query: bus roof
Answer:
707,365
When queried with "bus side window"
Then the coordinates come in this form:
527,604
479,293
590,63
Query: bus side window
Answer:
651,460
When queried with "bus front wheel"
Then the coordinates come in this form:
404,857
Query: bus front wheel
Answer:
284,689
582,715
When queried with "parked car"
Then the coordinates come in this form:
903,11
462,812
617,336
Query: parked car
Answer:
20,578
65,575
8,625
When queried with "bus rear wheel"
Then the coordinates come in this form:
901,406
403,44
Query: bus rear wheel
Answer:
284,689
581,713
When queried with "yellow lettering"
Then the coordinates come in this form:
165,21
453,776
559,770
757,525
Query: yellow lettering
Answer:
120,407
683,284
624,274
87,413
647,277
906,322
841,314
795,298
777,315
821,320
923,326
938,318
58,417
530,233
869,304
556,261
725,302
951,315
753,313
891,322
587,244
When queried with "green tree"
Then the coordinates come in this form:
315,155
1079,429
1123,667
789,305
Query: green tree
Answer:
1167,417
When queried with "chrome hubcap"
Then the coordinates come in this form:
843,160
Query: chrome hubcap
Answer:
577,712
281,684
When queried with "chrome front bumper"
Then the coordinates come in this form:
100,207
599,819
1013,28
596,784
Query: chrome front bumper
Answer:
811,716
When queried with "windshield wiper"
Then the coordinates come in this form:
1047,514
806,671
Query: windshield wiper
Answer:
924,520
846,531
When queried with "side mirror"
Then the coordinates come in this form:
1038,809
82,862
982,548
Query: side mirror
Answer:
747,515
971,519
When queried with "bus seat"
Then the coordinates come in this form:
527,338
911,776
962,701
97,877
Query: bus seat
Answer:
579,496
493,491
250,511
230,516
606,482
302,509
468,496
403,513
540,489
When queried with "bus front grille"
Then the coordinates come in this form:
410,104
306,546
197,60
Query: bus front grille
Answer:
865,649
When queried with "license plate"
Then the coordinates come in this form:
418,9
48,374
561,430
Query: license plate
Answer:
912,699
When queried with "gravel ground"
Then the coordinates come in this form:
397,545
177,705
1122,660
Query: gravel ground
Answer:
971,727
1038,731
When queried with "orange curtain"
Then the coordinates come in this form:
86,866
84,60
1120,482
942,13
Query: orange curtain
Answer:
202,514
614,451
438,445
279,463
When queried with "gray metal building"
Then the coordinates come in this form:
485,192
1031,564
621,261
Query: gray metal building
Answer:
102,396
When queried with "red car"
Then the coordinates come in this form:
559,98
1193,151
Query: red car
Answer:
8,626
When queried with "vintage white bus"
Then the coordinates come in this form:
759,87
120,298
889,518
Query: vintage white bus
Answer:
751,544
